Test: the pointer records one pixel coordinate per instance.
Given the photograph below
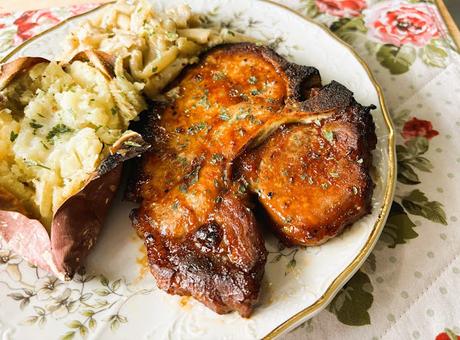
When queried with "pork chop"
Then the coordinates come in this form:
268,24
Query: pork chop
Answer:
232,123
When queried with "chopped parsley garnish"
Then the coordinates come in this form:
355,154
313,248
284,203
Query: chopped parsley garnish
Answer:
329,135
218,199
34,163
252,80
154,69
224,115
216,157
114,111
197,127
13,136
198,78
131,143
204,100
268,84
175,205
255,92
194,175
254,120
182,160
242,188
57,130
325,186
34,125
172,36
44,145
219,75
243,113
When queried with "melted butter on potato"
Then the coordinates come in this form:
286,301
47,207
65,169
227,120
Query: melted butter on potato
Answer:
57,123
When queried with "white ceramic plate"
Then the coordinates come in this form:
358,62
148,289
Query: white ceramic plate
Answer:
115,301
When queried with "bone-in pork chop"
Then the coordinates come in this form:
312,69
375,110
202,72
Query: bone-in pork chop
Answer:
242,125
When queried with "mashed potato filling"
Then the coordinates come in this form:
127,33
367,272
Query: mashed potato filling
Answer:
57,123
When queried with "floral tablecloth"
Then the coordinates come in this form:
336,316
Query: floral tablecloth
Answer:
409,286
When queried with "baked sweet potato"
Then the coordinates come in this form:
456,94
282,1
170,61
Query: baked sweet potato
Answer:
63,138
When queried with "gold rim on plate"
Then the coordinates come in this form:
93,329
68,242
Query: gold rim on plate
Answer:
449,21
346,274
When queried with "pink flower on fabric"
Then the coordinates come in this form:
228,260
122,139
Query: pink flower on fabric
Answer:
418,128
341,8
30,21
400,23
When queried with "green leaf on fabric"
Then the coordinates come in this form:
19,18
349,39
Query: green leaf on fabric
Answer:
353,301
401,117
7,37
372,47
68,336
409,157
348,29
370,265
309,8
417,203
417,146
397,60
347,24
422,163
434,54
406,174
451,334
398,227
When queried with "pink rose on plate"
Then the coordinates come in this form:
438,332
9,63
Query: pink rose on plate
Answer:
341,8
30,21
400,23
